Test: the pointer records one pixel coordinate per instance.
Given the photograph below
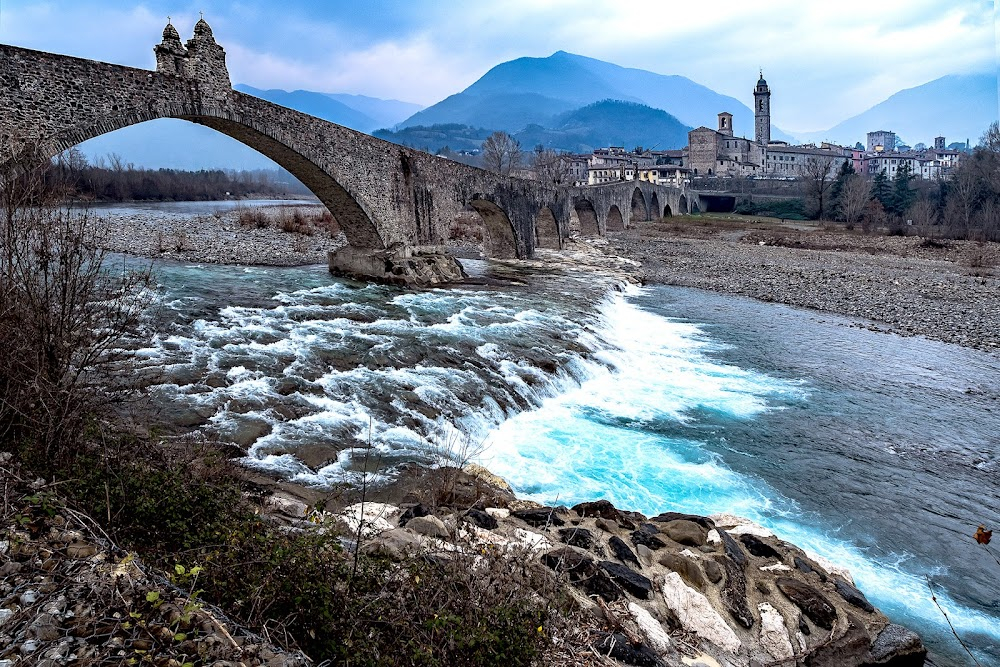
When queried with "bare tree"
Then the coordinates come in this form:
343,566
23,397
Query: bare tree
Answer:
923,214
550,166
991,138
819,179
853,199
501,153
63,307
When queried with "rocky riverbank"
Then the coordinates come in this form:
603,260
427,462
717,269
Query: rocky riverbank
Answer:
674,590
666,591
944,290
220,238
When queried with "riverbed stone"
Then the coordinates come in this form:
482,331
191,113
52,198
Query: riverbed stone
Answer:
812,603
577,537
629,579
622,551
899,647
685,532
852,595
696,614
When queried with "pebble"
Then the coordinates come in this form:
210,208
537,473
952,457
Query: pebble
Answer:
894,282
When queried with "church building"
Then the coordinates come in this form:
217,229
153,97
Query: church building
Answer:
719,152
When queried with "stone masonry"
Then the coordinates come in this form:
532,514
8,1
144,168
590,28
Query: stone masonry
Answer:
383,195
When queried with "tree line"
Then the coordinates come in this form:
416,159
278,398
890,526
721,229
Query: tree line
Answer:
964,206
112,179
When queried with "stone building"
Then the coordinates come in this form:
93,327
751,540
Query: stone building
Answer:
881,138
720,153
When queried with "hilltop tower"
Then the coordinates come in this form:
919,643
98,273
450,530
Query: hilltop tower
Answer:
762,111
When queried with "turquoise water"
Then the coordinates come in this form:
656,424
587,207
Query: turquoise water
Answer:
876,451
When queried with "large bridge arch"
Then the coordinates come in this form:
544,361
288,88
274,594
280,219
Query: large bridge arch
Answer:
547,230
615,222
587,215
499,240
640,211
269,139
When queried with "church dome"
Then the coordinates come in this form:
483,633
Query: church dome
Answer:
170,33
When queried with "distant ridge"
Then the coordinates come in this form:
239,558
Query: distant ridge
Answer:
529,91
957,107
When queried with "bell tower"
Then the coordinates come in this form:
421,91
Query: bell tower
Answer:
762,111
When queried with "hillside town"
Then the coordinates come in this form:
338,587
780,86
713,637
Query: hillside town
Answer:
720,153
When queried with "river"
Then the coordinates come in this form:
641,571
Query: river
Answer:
876,451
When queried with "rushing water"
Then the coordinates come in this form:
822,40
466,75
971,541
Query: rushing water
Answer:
876,451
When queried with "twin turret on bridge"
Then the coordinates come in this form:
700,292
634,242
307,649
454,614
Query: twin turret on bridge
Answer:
396,205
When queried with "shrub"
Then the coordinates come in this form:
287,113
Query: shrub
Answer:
66,307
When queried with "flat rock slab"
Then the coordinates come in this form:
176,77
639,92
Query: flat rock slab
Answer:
617,646
539,517
852,595
809,600
482,519
577,537
899,647
629,579
622,552
685,532
759,548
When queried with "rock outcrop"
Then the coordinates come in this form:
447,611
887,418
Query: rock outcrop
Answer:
715,590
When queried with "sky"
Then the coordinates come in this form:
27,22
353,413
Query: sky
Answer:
825,61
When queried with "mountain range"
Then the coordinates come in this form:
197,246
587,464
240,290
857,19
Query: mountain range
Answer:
566,102
957,107
540,91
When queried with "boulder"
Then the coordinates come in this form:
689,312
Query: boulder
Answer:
686,567
734,593
617,646
733,550
583,572
849,647
806,567
757,547
577,537
429,525
812,603
897,646
667,517
852,595
373,518
622,552
773,633
685,532
696,614
713,571
629,579
656,637
646,536
539,517
481,519
412,513
598,509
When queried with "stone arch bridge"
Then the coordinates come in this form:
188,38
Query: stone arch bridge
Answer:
393,203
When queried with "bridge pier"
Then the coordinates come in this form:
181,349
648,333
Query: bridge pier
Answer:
401,264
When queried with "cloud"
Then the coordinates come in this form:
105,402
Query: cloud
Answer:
825,61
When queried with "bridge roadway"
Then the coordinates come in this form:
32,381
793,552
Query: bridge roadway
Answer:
389,200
